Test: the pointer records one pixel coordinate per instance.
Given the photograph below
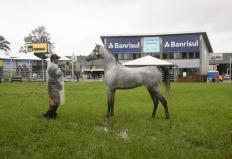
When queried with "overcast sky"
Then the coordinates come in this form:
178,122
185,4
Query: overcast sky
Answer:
76,25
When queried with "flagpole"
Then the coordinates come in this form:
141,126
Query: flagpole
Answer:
230,67
43,69
72,71
11,68
73,60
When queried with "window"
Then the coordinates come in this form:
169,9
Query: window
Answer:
156,55
127,56
134,56
190,55
197,55
180,71
165,55
120,57
195,71
184,55
177,55
189,71
171,55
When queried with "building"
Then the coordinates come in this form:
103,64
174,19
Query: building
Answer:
221,62
93,69
188,51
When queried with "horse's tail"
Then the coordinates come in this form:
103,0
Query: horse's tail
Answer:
166,79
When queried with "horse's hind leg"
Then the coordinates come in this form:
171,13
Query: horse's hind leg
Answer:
165,105
111,94
155,102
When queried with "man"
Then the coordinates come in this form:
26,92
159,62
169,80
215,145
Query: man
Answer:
55,87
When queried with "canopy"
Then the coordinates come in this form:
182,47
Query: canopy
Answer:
19,56
147,61
3,56
28,56
62,58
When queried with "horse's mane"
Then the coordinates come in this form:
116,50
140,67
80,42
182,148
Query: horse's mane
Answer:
111,54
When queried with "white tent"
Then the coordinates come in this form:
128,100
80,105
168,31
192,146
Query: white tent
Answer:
147,61
23,56
28,56
3,56
19,56
62,58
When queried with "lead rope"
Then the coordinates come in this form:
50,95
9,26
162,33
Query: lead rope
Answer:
117,61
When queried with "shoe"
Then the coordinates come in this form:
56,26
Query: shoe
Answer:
54,116
53,113
47,114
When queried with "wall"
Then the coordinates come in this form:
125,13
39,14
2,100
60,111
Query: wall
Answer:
204,61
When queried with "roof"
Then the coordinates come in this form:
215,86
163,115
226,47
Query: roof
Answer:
20,56
62,58
147,61
204,34
3,56
28,56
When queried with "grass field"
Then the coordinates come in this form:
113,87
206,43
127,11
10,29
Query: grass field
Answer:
200,126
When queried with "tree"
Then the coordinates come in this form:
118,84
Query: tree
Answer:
4,45
38,35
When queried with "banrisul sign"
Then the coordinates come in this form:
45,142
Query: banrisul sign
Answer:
124,45
181,43
151,44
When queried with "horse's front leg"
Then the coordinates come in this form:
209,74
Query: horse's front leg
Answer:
111,94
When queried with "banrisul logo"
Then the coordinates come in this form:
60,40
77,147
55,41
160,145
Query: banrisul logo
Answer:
181,43
124,44
118,45
110,46
175,44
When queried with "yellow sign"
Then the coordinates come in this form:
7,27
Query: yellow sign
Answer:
38,48
1,63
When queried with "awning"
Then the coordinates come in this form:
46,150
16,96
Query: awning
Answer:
147,61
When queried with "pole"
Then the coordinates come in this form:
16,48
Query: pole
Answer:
30,71
11,68
43,69
73,61
230,67
72,71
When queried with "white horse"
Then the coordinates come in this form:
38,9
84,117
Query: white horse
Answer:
118,76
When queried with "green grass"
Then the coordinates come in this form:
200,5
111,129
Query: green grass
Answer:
200,124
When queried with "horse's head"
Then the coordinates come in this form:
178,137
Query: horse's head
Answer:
95,54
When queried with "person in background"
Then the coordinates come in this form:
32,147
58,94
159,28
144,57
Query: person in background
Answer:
220,78
55,87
